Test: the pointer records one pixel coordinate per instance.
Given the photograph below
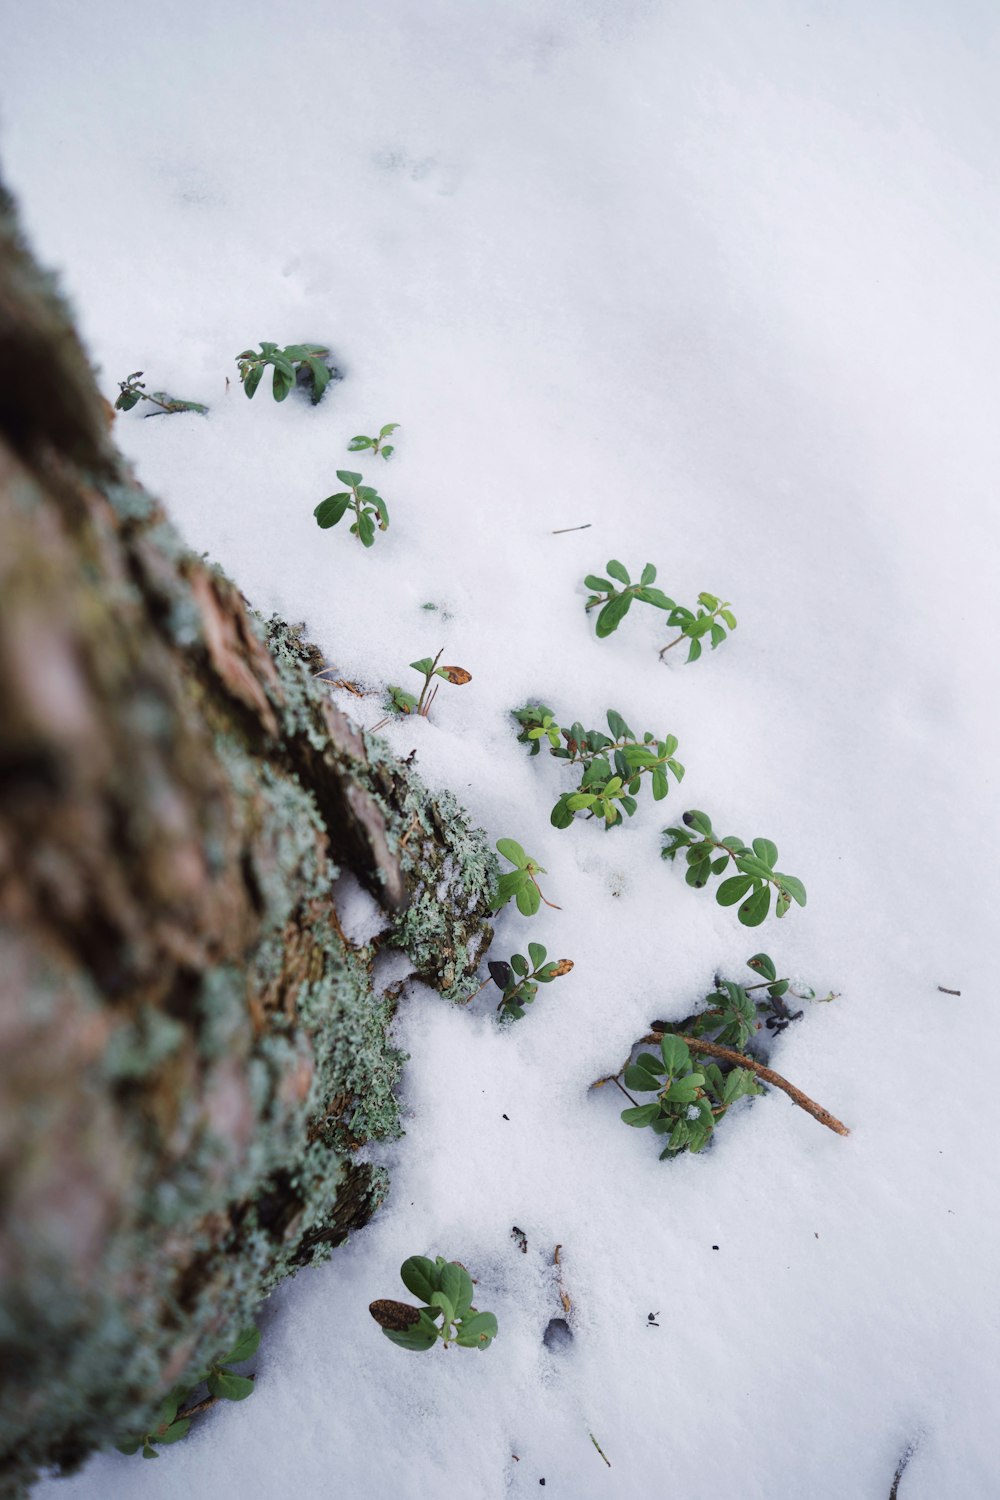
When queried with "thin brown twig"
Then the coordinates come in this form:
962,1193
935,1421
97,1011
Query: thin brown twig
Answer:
560,530
740,1059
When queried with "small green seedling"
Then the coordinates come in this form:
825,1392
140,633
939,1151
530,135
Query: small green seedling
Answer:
711,619
734,1012
376,444
133,390
613,766
370,510
402,702
519,979
445,1289
690,1098
756,876
172,1422
520,884
294,361
616,603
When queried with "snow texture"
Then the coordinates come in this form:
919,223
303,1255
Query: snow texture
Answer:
718,281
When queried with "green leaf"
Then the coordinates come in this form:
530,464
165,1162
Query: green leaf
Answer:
125,402
457,1284
763,964
655,597
148,1452
641,1114
519,964
528,899
577,801
619,729
794,887
640,1080
766,852
331,510
389,427
444,1304
348,476
282,383
734,889
246,1347
695,651
419,1276
660,784
729,618
508,886
700,821
648,574
612,615
387,450
675,1054
321,377
718,635
229,1387
600,585
755,907
252,380
366,529
685,1090
561,815
424,665
477,1332
537,955
421,1336
130,1446
511,849
617,570
175,1431
358,443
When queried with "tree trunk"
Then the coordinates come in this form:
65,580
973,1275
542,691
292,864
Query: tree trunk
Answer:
191,1051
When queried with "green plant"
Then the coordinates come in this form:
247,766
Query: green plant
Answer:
735,1012
445,1289
376,444
172,1422
520,884
132,391
711,619
690,1098
756,875
616,603
613,765
370,510
519,979
403,702
293,361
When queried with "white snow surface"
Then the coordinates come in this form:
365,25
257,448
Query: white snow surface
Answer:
718,280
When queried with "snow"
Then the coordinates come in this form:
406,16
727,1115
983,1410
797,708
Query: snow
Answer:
719,282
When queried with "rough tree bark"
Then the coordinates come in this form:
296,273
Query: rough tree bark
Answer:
190,1049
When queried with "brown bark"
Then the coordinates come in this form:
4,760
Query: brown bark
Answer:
190,1050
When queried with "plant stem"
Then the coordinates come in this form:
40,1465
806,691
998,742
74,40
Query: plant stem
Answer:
547,902
427,683
561,529
740,1059
622,1087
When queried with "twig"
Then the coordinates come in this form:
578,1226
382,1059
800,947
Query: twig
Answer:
905,1457
727,1054
197,1409
563,1297
599,1449
948,992
561,530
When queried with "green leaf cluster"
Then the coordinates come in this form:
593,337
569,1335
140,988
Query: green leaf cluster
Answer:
171,1424
756,876
519,885
402,702
378,444
370,511
613,765
732,1016
133,390
615,603
690,1098
445,1291
712,618
519,979
286,363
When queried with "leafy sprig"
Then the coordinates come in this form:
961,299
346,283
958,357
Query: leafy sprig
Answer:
520,885
133,390
375,444
445,1289
403,702
613,765
287,363
615,603
370,510
173,1422
756,876
519,979
711,618
690,1098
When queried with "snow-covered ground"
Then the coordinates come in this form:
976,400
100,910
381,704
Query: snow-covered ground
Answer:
718,280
